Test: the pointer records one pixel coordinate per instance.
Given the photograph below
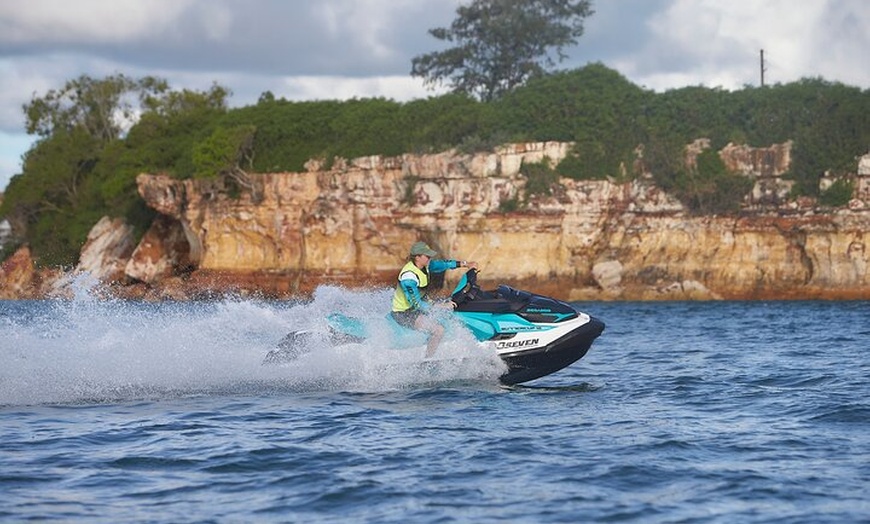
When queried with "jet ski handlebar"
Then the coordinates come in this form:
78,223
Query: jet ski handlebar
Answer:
466,289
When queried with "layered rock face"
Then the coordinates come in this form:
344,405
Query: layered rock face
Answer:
352,224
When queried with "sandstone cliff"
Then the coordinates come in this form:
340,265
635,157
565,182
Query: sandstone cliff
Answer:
352,223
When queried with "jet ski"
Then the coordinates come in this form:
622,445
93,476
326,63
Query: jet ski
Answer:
534,335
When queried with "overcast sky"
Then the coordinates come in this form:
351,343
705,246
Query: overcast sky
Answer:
339,49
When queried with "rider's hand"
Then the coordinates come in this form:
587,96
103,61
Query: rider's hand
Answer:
471,264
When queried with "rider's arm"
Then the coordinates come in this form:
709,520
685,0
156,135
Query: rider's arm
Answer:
440,266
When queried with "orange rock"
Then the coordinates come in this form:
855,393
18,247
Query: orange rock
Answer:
17,275
162,252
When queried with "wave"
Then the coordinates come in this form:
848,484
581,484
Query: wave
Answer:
88,350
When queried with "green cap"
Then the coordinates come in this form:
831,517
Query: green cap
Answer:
420,248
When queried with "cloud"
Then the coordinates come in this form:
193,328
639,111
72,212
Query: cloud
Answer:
49,23
718,43
339,49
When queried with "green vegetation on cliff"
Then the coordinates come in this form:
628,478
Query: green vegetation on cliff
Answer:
85,164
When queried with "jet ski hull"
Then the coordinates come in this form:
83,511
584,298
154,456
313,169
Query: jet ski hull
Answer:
530,364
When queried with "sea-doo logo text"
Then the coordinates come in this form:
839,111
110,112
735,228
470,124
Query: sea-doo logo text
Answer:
514,344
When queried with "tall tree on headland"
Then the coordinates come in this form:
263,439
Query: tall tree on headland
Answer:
95,136
500,44
99,107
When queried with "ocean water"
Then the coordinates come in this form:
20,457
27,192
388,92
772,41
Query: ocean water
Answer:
681,412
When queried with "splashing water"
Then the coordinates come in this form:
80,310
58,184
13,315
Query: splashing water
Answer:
95,350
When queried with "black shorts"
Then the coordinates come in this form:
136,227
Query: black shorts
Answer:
406,318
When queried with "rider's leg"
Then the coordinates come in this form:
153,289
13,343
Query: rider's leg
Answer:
435,330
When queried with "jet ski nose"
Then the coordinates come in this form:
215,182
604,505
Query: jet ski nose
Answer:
596,326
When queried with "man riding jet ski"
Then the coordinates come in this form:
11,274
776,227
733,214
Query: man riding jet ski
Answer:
534,335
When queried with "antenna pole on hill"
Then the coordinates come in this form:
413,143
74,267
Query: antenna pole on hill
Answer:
763,69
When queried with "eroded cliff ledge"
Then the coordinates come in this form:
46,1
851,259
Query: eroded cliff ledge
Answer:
352,225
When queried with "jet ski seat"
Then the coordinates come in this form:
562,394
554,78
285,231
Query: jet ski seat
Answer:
514,295
505,299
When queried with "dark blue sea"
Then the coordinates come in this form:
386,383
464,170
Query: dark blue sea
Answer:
115,411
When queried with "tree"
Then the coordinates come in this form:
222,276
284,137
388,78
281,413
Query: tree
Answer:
96,135
49,202
224,153
167,103
100,107
500,44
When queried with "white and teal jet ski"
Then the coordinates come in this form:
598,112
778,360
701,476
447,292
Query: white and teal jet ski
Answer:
534,335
